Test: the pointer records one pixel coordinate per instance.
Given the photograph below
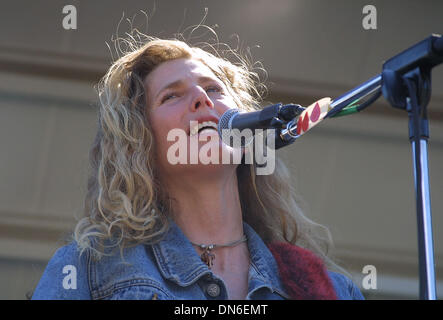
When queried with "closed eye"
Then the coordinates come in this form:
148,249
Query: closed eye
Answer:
214,88
168,96
208,89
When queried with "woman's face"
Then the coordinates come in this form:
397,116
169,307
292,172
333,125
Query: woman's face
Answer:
182,96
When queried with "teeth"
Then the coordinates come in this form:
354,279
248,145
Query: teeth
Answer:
196,128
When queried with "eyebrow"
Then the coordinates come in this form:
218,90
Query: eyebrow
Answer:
180,82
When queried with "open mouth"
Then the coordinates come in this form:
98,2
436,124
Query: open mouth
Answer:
200,127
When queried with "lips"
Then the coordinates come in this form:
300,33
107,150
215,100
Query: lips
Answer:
199,124
195,129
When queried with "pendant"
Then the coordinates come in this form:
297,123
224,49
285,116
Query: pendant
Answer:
207,256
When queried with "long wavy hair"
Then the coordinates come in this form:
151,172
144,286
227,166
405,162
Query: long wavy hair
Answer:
125,204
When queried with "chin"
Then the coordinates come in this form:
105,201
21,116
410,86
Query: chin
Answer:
213,171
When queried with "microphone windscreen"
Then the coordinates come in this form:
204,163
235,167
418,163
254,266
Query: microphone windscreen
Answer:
226,117
232,136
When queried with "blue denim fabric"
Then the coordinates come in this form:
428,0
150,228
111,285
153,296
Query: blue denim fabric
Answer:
170,269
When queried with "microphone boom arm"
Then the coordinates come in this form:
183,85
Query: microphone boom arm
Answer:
406,84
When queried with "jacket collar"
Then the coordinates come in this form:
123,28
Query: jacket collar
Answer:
291,271
179,262
263,261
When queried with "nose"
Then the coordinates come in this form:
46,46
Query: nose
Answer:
201,99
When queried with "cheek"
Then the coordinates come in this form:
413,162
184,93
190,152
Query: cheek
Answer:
164,119
158,125
162,124
228,103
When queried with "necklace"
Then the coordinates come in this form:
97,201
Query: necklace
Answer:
208,257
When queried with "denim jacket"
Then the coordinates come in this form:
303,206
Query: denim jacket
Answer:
169,269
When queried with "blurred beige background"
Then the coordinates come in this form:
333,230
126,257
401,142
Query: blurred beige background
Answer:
354,173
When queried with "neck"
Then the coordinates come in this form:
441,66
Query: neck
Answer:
208,211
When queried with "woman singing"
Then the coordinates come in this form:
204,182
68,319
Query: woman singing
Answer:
154,229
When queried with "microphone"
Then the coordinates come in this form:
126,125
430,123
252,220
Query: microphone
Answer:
241,126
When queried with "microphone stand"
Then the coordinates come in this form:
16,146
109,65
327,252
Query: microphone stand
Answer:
406,83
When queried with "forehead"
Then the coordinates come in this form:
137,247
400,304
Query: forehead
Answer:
173,70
